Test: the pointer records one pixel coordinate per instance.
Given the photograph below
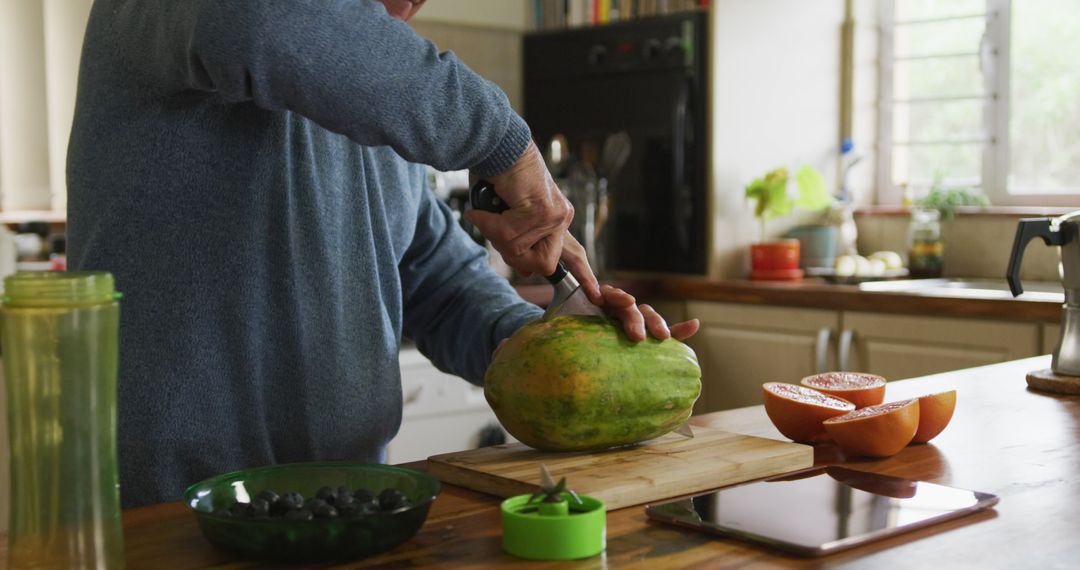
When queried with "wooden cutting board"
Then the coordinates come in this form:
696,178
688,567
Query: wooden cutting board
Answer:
667,467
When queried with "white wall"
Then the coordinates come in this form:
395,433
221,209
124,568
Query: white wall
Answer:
775,102
65,25
24,147
40,43
511,14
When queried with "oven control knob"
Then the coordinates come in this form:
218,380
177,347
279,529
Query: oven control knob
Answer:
652,48
597,54
673,46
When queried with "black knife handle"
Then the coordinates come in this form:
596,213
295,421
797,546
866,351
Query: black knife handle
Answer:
482,196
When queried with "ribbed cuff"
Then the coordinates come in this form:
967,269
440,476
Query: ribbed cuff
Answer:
508,151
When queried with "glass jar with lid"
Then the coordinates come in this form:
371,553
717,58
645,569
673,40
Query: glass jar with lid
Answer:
925,247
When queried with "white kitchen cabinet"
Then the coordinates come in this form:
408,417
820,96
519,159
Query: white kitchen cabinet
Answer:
442,413
740,347
904,346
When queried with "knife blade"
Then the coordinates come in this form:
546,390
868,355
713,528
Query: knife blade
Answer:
569,298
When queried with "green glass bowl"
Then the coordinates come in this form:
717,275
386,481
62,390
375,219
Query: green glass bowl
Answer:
319,539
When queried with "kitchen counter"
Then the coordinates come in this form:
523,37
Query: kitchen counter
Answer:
816,293
1004,439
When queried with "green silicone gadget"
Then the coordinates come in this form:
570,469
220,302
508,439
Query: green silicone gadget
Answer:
565,530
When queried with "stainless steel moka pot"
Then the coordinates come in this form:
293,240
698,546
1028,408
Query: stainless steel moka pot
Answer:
1065,233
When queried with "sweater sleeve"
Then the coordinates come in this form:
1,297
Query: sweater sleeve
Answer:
345,64
456,308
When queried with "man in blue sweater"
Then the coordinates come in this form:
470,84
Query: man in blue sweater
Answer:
250,171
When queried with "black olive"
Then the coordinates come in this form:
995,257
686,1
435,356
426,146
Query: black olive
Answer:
290,501
363,496
270,496
345,501
327,494
259,508
299,515
368,508
346,511
391,499
344,491
325,511
239,509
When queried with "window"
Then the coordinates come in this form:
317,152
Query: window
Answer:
980,93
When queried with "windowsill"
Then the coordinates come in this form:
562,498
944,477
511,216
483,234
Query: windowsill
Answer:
973,211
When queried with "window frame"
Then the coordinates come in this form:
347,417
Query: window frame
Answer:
996,82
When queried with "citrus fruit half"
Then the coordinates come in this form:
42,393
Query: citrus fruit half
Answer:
935,411
877,431
856,387
797,411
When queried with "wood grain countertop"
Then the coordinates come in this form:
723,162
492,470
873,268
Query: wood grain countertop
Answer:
821,295
1021,445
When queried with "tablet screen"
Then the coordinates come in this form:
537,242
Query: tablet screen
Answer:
822,510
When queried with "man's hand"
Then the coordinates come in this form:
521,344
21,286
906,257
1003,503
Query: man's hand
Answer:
636,319
532,235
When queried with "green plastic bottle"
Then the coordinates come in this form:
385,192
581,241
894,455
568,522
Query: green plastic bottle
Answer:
59,337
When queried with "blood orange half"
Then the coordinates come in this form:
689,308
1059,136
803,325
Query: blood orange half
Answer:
856,387
877,431
798,411
935,411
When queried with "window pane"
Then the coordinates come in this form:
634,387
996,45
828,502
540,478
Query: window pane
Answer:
923,9
940,77
1044,114
935,38
917,166
947,120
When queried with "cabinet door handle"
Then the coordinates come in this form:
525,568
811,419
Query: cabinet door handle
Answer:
844,354
821,349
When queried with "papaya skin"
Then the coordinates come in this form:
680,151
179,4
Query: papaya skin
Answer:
577,383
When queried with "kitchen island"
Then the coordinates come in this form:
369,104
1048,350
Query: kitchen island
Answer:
1005,439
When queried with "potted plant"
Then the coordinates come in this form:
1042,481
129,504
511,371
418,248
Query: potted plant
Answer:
775,195
554,523
926,254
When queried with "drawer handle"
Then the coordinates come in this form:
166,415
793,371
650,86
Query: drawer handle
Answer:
844,354
820,349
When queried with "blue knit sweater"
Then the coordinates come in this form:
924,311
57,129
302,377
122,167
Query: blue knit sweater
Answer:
249,171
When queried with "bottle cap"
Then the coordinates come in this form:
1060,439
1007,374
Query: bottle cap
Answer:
59,288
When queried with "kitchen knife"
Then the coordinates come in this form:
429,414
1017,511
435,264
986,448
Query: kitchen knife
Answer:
569,297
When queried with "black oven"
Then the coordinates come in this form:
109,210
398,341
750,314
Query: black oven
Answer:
648,78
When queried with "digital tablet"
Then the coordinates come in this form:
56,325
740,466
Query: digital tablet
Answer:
823,510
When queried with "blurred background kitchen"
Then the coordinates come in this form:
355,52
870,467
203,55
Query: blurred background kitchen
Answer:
887,138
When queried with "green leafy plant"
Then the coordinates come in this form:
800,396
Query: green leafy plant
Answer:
774,196
947,199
